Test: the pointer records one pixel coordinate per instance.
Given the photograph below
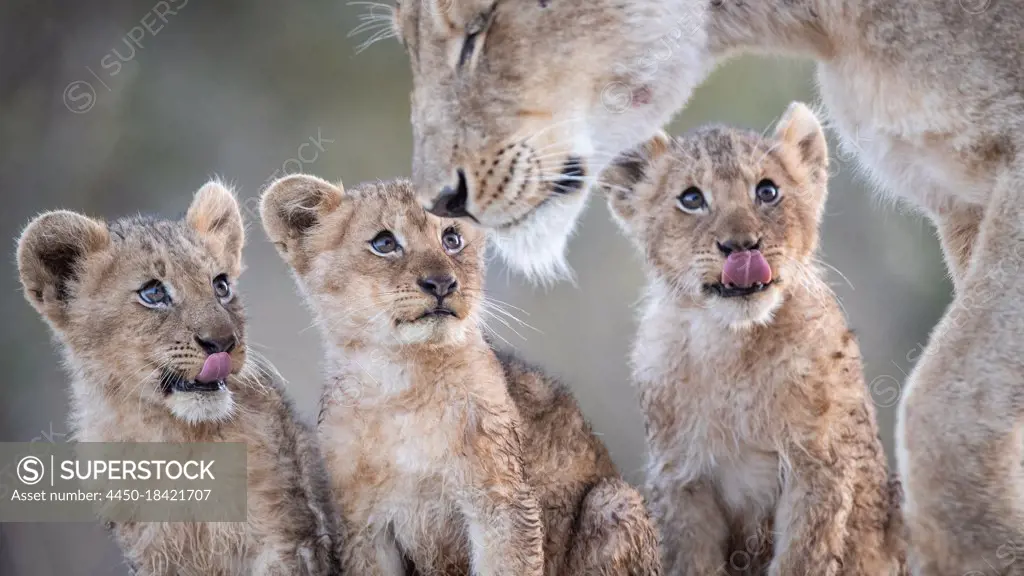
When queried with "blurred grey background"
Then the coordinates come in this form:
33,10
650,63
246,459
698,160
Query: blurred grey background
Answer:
108,109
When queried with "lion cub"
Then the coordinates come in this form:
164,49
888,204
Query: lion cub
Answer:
154,339
442,453
764,451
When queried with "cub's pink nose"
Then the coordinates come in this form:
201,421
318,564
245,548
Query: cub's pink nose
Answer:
217,367
745,268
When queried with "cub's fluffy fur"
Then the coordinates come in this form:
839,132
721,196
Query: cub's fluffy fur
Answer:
132,369
443,454
764,451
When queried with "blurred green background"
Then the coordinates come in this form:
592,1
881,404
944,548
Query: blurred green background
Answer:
91,121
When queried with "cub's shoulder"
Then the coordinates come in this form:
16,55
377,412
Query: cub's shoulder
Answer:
529,386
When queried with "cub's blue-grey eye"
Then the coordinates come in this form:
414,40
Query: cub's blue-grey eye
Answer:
452,241
766,192
384,243
691,200
222,287
154,294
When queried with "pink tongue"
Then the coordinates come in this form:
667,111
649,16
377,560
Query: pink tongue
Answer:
746,268
217,367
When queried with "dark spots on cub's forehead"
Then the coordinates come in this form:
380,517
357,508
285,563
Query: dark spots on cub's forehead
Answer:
718,143
721,152
418,215
396,204
164,247
729,154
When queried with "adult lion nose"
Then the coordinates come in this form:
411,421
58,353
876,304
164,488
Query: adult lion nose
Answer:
451,203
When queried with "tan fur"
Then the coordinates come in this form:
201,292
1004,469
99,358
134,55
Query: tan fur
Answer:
82,275
443,455
929,93
764,451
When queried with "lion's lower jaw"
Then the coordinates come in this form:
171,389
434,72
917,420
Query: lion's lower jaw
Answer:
743,314
536,247
197,407
444,332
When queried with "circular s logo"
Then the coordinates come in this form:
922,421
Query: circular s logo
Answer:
30,470
79,97
886,391
617,97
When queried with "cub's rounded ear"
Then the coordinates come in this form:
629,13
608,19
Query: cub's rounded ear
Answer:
630,168
800,130
294,205
51,253
214,214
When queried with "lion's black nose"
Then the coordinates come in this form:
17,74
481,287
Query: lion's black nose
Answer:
213,343
452,201
439,285
739,245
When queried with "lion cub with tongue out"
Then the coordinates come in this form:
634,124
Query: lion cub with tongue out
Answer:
153,336
764,451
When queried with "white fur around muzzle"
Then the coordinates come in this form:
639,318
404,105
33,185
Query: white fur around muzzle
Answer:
537,246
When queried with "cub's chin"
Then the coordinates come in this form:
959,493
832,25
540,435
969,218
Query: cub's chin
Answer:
201,406
193,402
741,309
441,327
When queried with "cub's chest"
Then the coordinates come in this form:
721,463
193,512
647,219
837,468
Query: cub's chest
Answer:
715,391
406,442
725,429
193,549
748,484
401,473
712,414
432,531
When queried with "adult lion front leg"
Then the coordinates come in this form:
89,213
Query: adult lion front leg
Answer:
960,424
958,229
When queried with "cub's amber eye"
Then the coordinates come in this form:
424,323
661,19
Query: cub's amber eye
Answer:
154,294
222,288
691,200
767,192
452,241
384,243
